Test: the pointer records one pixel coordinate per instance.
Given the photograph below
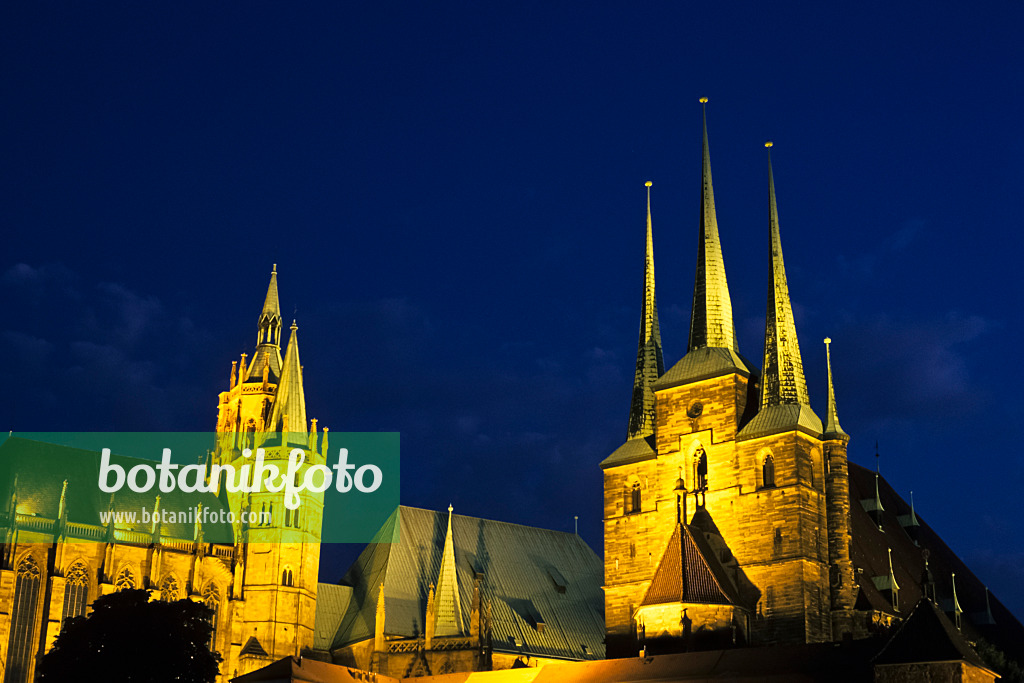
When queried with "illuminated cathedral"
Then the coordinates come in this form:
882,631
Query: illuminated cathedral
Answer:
733,523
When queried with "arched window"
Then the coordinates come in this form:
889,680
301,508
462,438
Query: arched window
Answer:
287,517
23,617
169,590
768,472
76,592
634,497
211,598
125,579
286,577
701,458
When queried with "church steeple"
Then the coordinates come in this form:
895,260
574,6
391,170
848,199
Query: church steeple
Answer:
289,412
268,339
783,379
649,362
447,607
711,322
832,428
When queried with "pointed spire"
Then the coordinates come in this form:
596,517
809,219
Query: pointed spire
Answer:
448,619
783,377
711,322
268,339
290,401
832,428
649,362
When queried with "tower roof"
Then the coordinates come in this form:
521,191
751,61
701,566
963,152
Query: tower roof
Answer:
711,322
832,428
290,401
711,350
649,362
784,402
272,304
268,341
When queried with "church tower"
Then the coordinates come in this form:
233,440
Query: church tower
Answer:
277,553
721,522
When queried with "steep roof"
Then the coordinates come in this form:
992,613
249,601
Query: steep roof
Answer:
530,576
689,572
927,635
634,450
649,361
871,558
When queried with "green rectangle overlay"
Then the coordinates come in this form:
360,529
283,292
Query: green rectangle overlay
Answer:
191,489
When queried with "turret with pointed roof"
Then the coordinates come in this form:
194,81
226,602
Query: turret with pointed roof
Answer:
649,362
784,404
447,607
289,411
832,428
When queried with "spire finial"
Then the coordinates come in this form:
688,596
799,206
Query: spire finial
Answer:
832,428
450,508
711,323
650,364
769,145
274,269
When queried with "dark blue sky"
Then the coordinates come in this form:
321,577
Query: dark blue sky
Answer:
453,194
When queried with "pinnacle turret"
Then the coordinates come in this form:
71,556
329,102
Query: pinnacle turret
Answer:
783,376
448,609
649,362
832,428
289,411
268,339
711,323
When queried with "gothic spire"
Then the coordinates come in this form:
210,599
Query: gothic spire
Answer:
448,610
832,428
711,322
649,362
268,339
783,379
289,412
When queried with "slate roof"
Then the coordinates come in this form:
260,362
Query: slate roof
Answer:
309,670
331,604
41,469
870,558
530,576
689,572
634,450
927,635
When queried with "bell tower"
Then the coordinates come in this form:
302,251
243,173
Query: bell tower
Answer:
262,421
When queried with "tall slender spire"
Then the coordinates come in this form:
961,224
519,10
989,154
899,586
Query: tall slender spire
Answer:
448,609
711,322
649,362
832,428
289,412
783,379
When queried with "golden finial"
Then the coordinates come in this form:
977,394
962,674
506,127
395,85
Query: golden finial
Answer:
648,183
768,144
827,341
274,269
703,100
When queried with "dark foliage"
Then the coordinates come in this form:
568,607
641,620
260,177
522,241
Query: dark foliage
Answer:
129,639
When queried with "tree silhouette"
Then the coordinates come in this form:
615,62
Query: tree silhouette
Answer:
129,639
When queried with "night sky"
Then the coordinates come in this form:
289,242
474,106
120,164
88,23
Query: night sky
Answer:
454,197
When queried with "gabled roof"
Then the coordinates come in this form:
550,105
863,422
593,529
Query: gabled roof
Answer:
927,635
689,572
529,576
703,363
775,419
635,450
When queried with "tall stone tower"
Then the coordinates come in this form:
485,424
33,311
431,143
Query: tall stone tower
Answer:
717,515
277,553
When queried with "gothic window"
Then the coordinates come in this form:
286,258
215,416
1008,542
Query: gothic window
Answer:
212,600
635,497
169,591
287,517
701,465
23,613
286,577
778,540
125,579
768,472
76,592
